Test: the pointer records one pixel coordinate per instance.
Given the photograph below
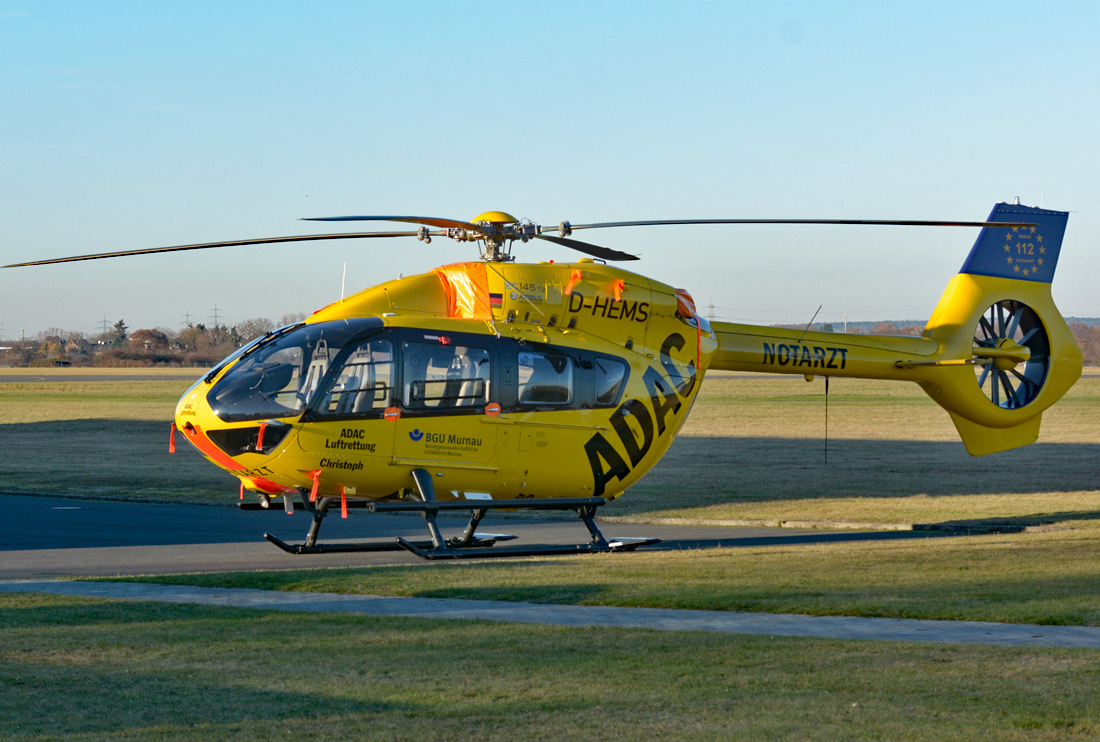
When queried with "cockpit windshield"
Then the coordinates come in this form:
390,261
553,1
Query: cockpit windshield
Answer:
279,378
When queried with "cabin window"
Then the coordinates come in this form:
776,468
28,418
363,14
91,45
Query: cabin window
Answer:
442,376
610,378
545,378
363,384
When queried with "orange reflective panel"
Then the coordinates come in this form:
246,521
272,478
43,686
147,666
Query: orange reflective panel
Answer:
467,289
685,305
574,279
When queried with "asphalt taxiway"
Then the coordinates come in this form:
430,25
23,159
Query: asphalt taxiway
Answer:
44,537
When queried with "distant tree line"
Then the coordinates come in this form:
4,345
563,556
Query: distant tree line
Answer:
199,345
878,328
194,345
1088,337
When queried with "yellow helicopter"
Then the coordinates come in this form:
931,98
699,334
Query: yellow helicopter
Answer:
501,385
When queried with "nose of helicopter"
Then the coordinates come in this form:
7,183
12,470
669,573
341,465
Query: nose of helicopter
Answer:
196,421
221,442
190,404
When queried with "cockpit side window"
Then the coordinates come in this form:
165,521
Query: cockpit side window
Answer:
280,377
610,380
545,378
362,384
440,376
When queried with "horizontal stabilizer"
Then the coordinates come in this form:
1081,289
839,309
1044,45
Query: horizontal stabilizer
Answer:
980,440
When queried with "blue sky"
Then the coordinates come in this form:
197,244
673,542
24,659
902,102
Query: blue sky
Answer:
129,125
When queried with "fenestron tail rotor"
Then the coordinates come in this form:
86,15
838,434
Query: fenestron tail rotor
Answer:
1011,354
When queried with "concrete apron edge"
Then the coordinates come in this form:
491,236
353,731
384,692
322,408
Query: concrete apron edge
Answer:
659,619
816,524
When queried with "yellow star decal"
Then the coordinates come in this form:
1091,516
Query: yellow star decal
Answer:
1009,260
1042,250
1040,261
1007,248
1016,268
1033,230
1015,229
1008,236
1039,237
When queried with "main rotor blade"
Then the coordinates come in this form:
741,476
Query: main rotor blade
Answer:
203,246
430,221
879,222
596,251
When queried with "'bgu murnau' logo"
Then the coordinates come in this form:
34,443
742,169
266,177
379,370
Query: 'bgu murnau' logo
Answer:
444,439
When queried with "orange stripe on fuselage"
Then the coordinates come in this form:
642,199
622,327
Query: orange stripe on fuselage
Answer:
269,487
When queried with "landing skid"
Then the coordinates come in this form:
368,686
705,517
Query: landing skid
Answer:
471,544
480,540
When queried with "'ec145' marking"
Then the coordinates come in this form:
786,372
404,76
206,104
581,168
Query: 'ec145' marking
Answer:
801,355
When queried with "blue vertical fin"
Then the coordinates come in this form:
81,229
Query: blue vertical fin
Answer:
1024,253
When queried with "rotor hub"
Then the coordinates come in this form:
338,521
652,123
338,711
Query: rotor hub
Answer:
1013,355
495,218
497,231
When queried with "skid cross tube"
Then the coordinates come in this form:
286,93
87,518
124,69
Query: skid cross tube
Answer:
470,544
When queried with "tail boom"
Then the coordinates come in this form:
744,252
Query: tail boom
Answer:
780,351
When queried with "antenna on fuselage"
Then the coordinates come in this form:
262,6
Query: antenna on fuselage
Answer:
807,327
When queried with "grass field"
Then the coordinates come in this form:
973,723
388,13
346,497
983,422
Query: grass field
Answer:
104,438
85,669
752,448
1045,578
108,438
91,670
